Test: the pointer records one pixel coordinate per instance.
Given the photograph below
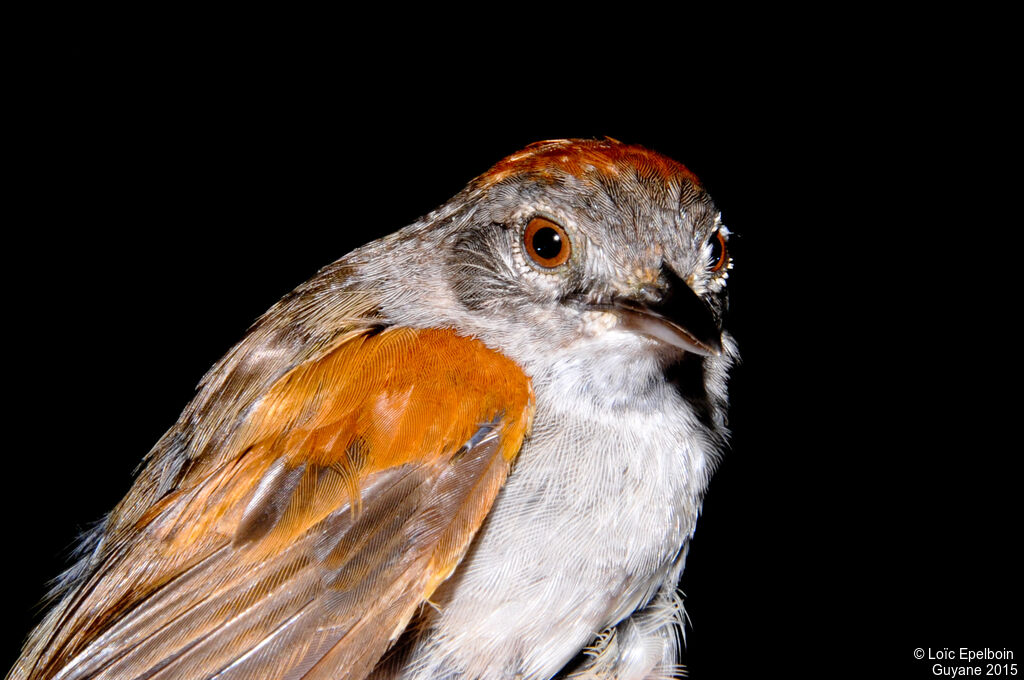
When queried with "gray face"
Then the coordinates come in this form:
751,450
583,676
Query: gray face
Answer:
633,243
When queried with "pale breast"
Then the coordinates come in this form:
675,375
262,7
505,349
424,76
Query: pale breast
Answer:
603,497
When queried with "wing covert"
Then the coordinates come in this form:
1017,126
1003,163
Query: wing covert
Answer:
350,490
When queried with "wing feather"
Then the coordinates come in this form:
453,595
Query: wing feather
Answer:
302,547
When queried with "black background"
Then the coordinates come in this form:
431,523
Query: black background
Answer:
869,503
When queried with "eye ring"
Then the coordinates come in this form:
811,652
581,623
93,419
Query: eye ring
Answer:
719,252
546,243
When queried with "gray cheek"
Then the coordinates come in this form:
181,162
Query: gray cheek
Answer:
478,269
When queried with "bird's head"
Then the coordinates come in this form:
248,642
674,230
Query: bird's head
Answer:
573,241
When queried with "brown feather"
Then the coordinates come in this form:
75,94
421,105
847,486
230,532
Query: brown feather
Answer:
302,545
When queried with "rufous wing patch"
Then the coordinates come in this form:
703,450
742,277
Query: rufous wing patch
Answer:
352,488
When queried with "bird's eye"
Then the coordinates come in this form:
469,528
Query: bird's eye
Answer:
719,254
546,243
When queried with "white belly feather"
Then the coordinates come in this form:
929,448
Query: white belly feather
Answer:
590,524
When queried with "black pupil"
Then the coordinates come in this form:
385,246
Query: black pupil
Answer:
547,243
716,250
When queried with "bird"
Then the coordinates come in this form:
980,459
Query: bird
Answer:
474,448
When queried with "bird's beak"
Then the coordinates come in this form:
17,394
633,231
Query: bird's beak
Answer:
679,318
